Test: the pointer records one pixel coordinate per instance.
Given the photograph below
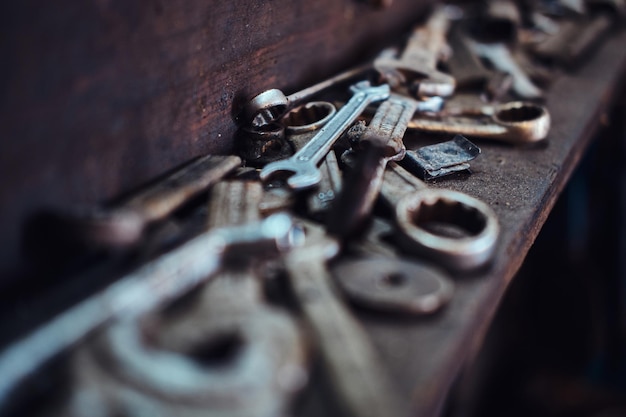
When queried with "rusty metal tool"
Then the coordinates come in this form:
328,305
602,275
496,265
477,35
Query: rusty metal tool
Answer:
454,229
303,165
142,290
419,59
232,353
440,159
514,122
361,385
393,285
301,124
270,105
381,142
124,223
374,276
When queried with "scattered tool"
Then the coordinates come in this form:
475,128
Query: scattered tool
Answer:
303,165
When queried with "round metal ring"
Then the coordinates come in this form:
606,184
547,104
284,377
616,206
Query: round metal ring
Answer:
469,234
392,285
308,117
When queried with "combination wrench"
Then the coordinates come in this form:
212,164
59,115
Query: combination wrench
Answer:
303,165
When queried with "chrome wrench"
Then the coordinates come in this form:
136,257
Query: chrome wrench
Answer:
303,165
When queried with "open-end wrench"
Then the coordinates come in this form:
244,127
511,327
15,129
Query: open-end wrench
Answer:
142,290
362,386
301,124
514,122
270,105
303,165
419,59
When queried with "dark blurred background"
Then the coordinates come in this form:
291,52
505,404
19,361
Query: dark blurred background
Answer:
557,347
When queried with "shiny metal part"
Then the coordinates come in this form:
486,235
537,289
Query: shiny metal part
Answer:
320,200
441,159
270,105
143,290
514,122
381,142
303,165
499,55
301,124
223,352
124,223
361,385
456,230
419,59
393,286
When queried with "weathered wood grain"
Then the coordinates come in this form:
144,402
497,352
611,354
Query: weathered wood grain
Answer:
97,97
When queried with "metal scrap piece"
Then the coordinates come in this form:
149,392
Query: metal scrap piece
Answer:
441,159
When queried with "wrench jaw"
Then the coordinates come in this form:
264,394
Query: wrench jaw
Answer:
468,247
302,176
374,93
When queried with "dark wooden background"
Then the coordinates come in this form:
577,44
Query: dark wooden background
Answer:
97,97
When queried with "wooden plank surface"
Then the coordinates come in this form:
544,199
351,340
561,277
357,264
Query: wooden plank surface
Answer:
521,185
98,97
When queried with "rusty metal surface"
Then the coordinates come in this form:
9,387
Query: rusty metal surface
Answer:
98,97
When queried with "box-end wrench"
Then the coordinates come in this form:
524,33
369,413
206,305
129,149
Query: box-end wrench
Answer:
456,230
514,122
270,105
267,362
142,290
303,165
419,59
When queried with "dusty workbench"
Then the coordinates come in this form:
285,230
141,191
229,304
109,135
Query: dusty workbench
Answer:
424,355
522,185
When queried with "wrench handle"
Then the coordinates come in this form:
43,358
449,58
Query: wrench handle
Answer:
323,141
